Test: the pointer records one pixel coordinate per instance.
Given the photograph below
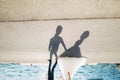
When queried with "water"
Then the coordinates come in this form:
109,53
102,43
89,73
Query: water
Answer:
89,72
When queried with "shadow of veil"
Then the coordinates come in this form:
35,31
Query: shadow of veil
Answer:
75,51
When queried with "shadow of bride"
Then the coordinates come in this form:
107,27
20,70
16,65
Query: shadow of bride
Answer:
75,51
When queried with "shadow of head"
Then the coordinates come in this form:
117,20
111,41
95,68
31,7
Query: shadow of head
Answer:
84,35
58,29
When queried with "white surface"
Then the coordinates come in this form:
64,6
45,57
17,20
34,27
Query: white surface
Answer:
70,65
13,10
28,41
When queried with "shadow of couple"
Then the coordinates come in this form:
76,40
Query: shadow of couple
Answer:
73,51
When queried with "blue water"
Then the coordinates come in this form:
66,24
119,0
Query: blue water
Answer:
89,72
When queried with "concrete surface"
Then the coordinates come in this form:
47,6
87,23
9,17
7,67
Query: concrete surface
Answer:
27,25
18,10
28,41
